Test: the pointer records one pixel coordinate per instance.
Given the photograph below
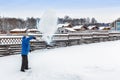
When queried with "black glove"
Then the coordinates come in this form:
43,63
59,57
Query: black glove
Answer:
34,37
30,50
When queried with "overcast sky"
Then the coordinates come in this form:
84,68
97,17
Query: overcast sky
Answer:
102,10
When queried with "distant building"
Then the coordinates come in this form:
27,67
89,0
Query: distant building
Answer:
104,28
64,25
33,31
18,31
65,28
80,28
116,24
93,27
62,30
77,28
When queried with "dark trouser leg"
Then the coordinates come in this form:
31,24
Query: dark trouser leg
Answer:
24,62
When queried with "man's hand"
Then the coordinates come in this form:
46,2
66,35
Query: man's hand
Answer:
34,37
30,50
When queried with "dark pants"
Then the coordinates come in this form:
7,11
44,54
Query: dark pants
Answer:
24,62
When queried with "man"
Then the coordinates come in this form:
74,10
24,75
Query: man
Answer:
25,50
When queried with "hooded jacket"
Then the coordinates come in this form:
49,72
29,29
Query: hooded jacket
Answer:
26,44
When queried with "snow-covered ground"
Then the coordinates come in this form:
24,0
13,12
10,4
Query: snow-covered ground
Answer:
97,61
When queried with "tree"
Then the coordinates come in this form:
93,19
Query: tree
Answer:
93,21
31,23
87,20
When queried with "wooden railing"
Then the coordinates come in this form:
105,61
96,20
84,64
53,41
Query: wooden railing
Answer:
4,40
12,44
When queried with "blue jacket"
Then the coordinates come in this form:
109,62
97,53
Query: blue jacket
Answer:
26,45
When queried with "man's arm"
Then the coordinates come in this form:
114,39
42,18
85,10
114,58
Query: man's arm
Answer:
31,37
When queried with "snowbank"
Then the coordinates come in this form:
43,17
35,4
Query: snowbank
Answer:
97,61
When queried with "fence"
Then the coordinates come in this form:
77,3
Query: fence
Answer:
12,44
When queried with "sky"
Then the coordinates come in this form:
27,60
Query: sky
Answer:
102,10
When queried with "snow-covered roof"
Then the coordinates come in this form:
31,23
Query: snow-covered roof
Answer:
90,27
17,29
61,25
32,30
70,29
101,27
78,27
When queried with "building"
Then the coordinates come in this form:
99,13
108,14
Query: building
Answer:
65,28
115,25
62,30
18,31
33,31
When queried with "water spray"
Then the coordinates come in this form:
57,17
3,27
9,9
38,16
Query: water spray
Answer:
48,26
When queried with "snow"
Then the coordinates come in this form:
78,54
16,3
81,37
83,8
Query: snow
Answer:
63,25
96,61
78,27
90,27
10,36
19,29
70,29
